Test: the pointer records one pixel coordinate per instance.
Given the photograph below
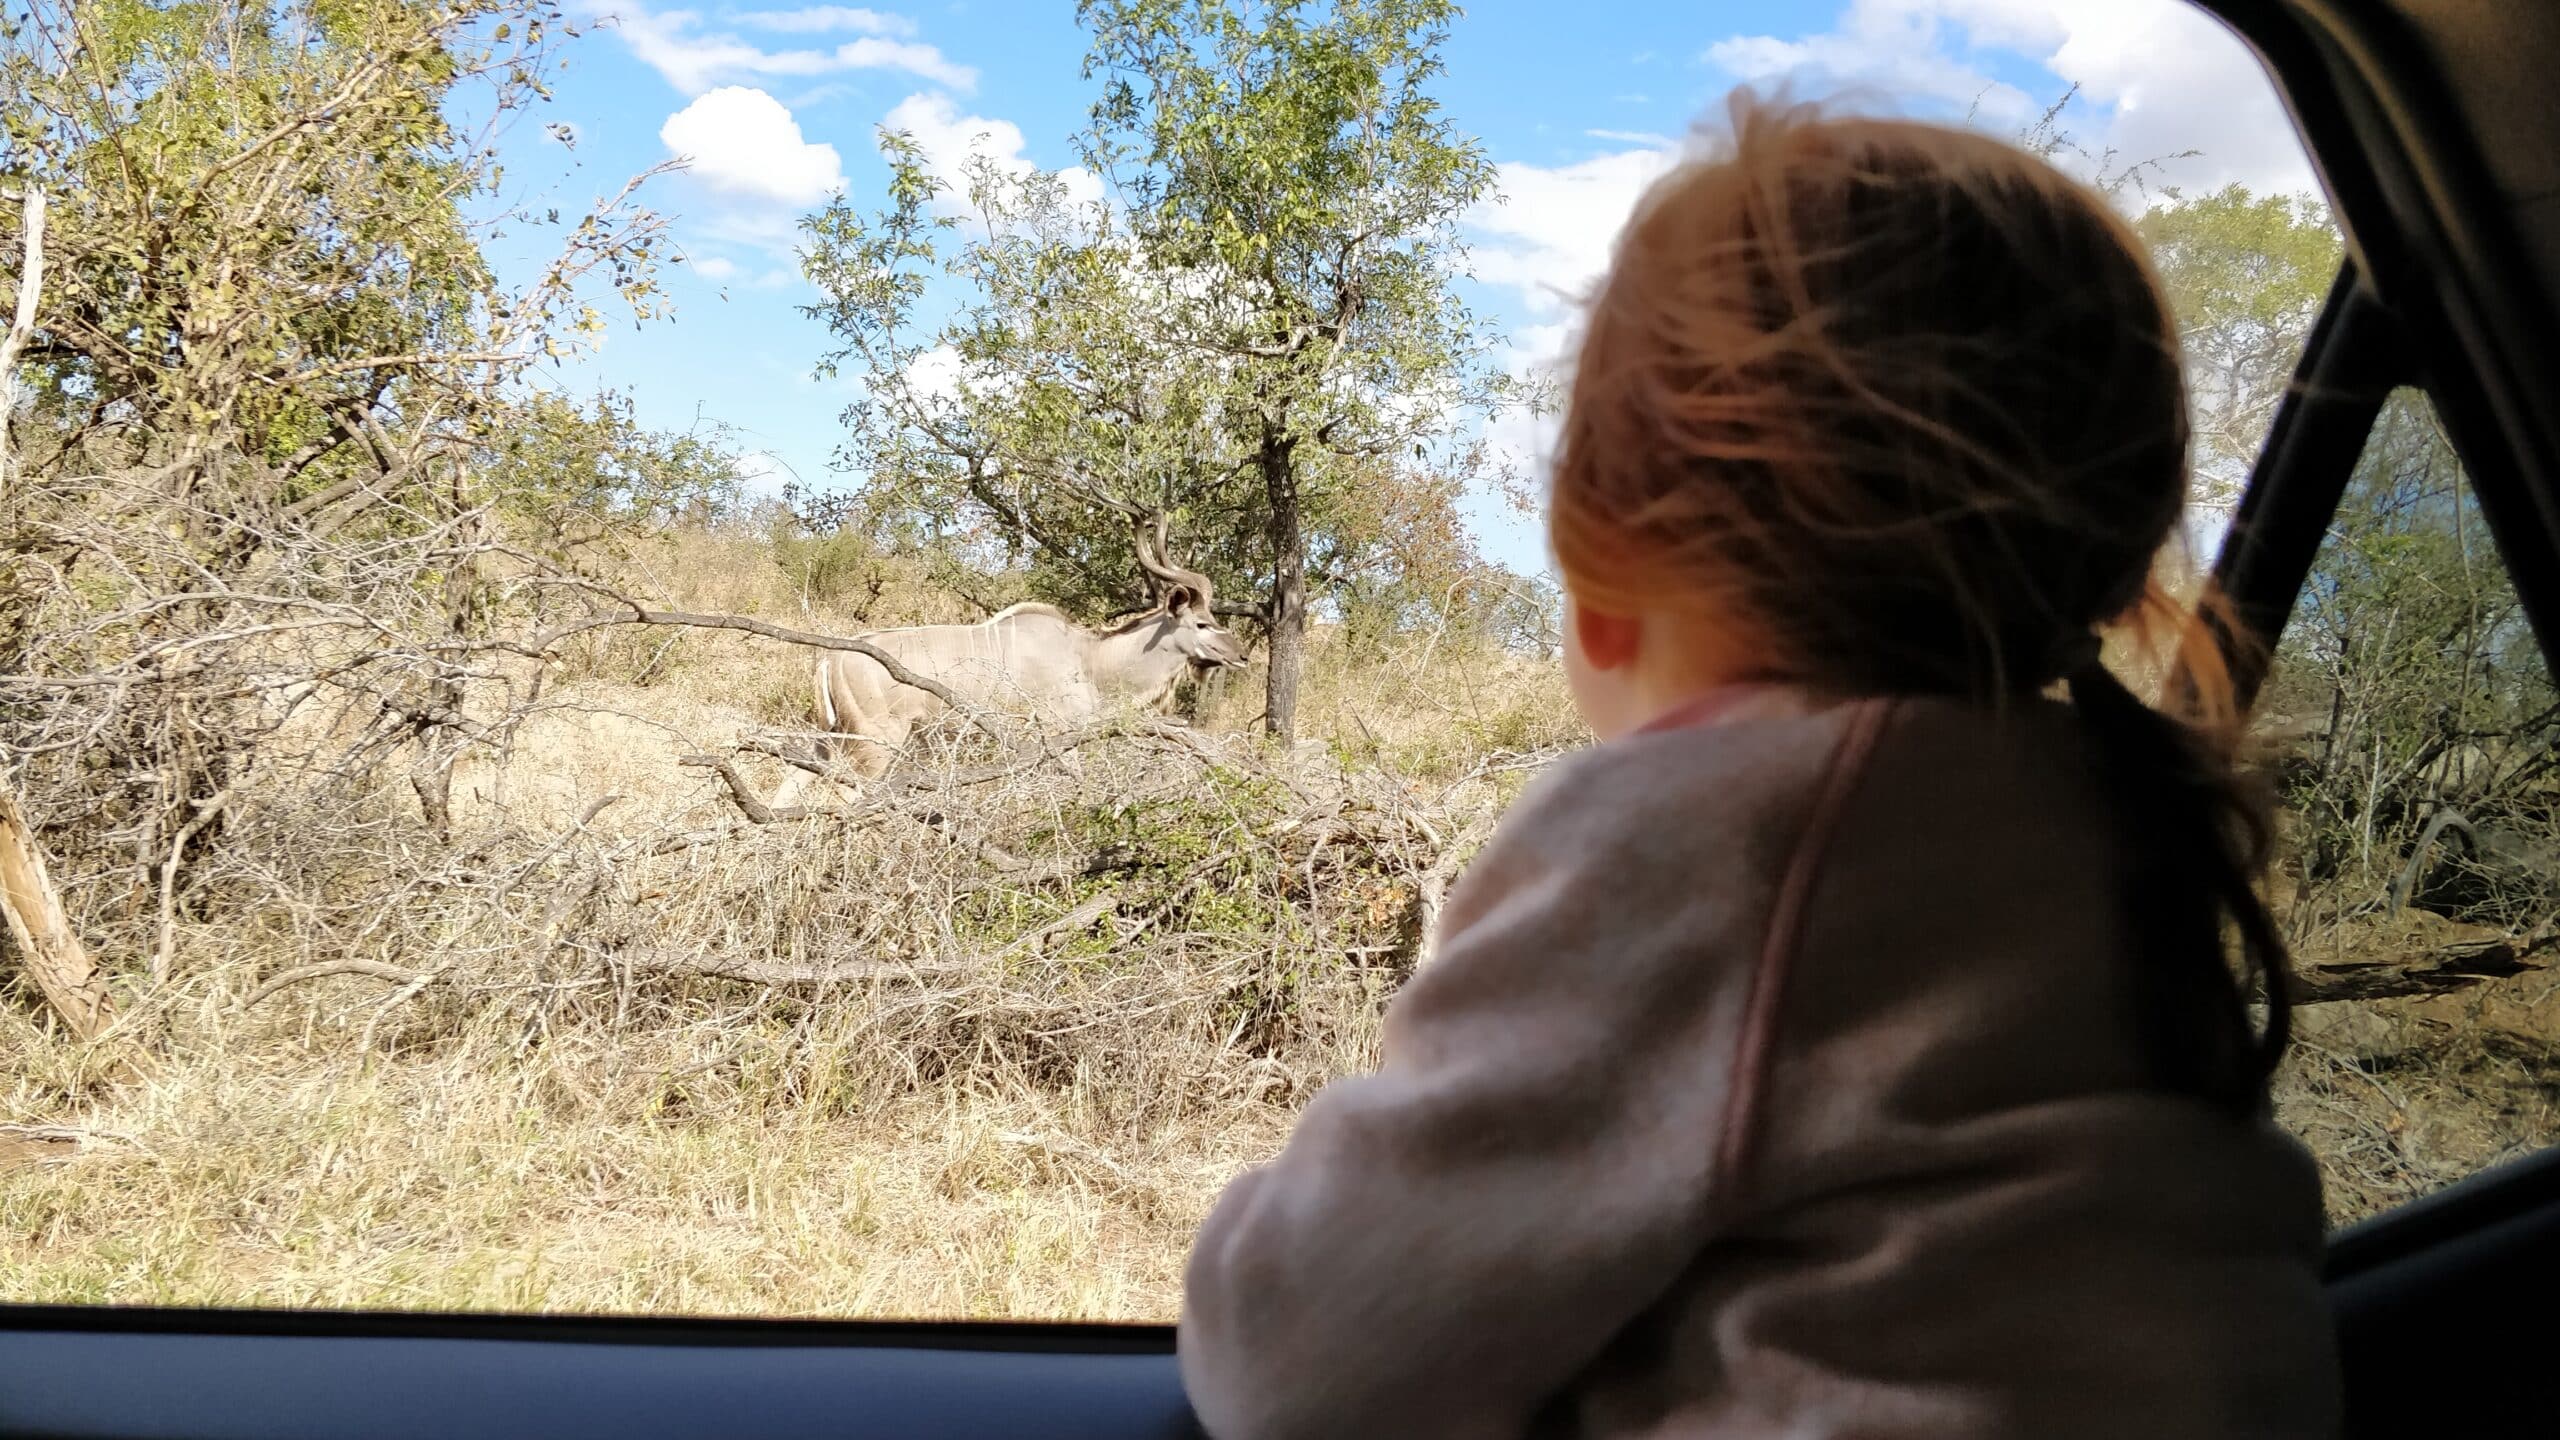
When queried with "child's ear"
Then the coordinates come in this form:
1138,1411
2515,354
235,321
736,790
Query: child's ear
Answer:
1608,642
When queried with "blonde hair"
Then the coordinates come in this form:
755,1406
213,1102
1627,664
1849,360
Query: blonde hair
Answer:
1905,403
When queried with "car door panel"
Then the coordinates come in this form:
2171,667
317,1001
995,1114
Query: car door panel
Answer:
256,1377
2441,1309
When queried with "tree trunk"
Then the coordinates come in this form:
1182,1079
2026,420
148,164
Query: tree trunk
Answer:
1288,585
431,774
54,955
22,326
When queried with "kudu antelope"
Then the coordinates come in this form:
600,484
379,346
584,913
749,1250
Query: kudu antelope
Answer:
1030,660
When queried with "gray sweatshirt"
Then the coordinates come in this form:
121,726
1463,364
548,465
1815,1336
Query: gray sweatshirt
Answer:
1776,1077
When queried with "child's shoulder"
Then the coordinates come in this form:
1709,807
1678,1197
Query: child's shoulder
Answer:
1663,815
1727,773
1749,783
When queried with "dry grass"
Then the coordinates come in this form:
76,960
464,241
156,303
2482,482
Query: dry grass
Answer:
983,1044
2402,1097
1419,708
572,1179
832,1066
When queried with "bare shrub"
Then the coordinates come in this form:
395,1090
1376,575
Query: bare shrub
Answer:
1160,921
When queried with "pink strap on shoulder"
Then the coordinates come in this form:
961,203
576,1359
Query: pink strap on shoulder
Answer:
1785,937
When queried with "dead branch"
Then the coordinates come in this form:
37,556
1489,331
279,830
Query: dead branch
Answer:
650,615
883,795
391,1002
1433,888
775,972
1079,918
1049,871
772,972
749,803
371,969
41,1144
206,813
2440,971
1041,747
55,958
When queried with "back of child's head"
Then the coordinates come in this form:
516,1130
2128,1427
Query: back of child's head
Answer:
1903,403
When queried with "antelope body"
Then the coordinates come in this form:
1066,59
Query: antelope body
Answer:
1029,661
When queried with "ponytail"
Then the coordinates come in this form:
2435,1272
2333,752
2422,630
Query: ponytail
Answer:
2196,839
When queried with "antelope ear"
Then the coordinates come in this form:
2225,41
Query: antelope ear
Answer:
1179,598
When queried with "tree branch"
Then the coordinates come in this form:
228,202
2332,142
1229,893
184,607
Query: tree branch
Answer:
371,969
773,972
898,670
59,964
2440,971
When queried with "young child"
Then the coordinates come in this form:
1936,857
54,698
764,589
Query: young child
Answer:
1849,1045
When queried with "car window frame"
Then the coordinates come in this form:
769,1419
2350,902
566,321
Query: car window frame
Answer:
2435,293
2421,220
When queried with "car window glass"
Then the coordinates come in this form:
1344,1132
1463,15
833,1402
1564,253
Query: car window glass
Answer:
489,873
2411,723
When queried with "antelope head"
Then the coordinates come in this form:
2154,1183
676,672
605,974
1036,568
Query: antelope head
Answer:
1194,632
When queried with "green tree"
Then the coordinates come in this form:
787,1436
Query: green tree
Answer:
1054,404
2428,695
2246,275
279,453
1258,331
1293,156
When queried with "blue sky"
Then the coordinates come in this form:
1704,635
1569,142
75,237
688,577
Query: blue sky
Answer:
776,104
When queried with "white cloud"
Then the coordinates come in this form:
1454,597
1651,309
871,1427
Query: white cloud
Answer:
816,95
1548,238
774,229
940,377
821,19
693,63
1521,446
2159,78
949,138
713,267
1887,49
1532,348
694,60
873,53
936,374
1549,233
744,142
762,474
2165,77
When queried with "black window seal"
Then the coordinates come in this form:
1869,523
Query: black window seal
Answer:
2348,367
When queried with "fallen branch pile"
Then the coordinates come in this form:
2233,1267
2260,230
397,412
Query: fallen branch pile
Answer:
1177,913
